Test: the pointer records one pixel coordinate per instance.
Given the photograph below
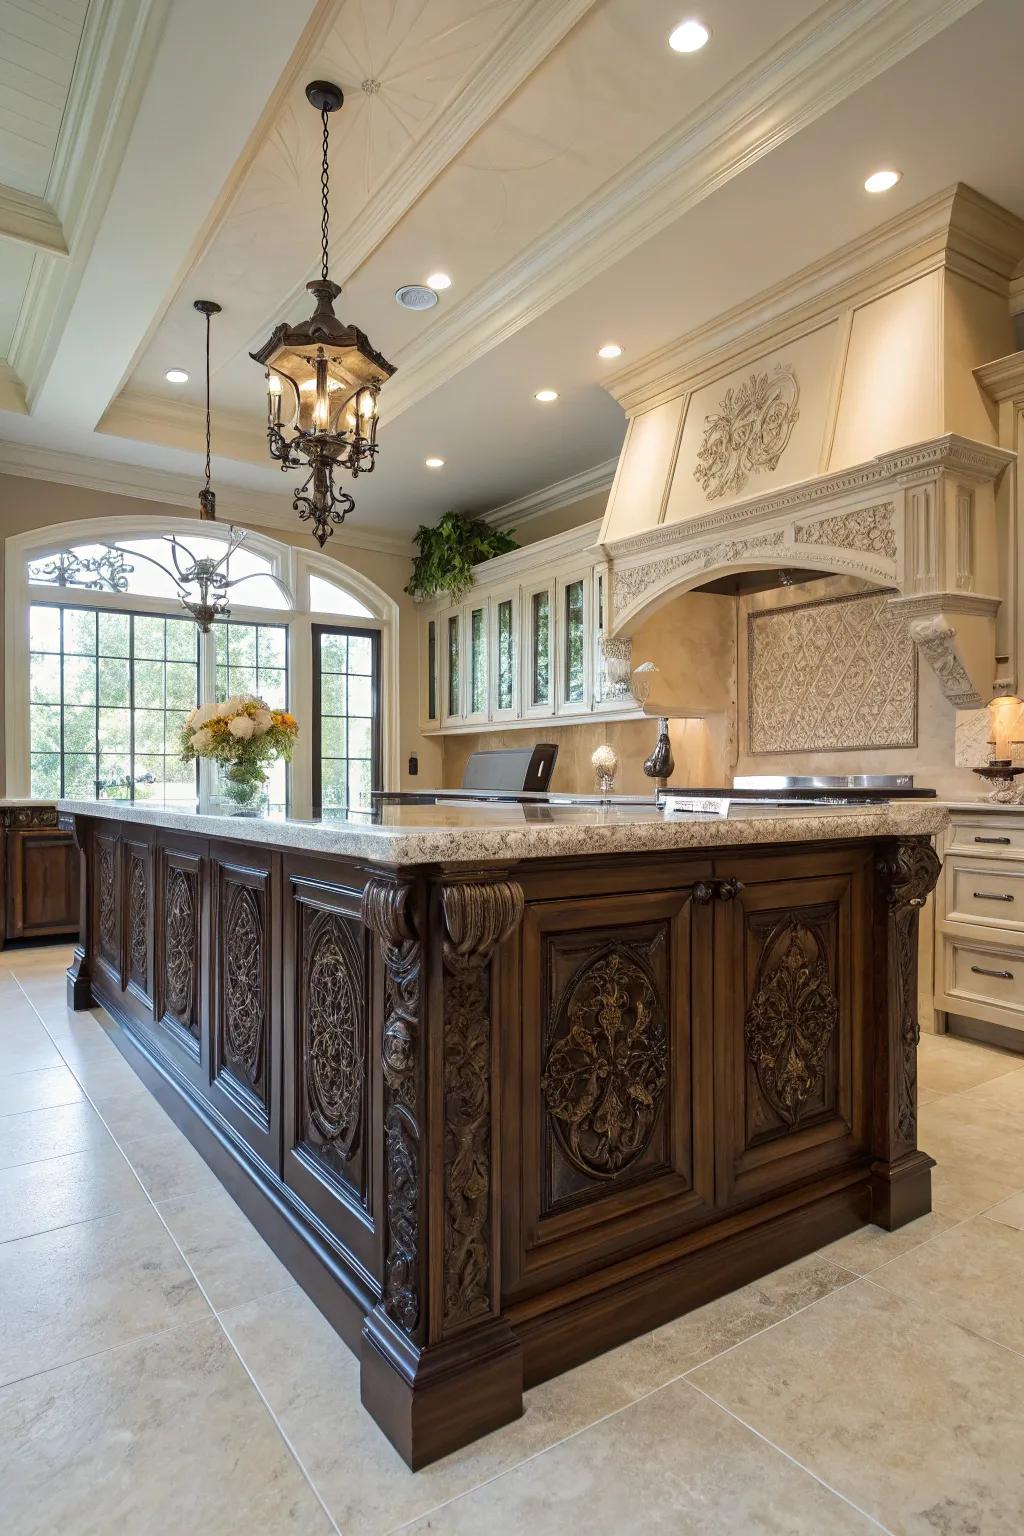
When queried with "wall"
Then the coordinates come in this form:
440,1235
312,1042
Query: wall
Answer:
932,760
692,641
26,504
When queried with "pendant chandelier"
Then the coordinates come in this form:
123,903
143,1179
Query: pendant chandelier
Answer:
323,380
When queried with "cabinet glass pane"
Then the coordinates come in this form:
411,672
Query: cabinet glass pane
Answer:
453,665
574,641
431,671
505,664
540,632
478,661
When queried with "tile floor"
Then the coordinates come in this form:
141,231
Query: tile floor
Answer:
160,1373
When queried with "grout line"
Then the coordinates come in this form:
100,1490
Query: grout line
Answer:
214,1315
932,1306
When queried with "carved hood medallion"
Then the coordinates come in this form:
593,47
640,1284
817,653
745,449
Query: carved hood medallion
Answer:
749,433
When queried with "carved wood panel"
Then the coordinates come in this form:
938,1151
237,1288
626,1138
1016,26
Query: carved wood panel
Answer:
138,924
242,1038
606,1060
334,982
179,943
108,900
906,876
791,1021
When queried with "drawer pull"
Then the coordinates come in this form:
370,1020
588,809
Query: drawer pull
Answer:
982,970
991,896
1005,840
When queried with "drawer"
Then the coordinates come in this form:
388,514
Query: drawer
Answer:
991,836
985,892
986,974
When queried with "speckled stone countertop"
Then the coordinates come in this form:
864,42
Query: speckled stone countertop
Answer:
472,834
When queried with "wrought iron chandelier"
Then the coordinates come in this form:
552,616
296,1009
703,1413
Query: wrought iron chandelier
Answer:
202,582
323,380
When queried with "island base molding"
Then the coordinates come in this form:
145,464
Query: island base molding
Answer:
498,1120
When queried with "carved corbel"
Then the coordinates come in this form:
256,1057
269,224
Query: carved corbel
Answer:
478,916
386,911
936,640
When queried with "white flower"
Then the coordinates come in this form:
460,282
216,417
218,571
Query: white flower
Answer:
242,727
202,716
262,721
227,709
201,740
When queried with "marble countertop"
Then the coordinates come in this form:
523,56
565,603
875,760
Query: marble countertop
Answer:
453,834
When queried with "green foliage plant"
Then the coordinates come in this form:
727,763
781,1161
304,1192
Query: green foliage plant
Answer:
448,553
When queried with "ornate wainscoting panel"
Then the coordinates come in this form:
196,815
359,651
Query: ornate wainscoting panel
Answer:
605,1069
178,931
138,922
108,901
242,1016
791,1022
387,911
334,981
836,675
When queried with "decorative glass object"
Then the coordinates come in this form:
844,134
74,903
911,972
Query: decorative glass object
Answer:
618,661
242,736
661,763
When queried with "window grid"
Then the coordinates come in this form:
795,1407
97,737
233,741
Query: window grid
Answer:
346,665
134,676
253,658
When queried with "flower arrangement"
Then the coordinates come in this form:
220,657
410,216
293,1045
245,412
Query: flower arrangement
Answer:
242,734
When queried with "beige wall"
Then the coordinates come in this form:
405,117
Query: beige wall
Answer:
561,519
692,641
27,504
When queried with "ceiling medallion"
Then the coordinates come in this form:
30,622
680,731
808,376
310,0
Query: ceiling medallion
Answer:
323,380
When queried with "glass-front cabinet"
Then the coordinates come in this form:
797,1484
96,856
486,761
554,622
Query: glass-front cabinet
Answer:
526,643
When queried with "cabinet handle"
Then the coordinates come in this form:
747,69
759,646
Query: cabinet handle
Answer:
991,896
983,970
1005,840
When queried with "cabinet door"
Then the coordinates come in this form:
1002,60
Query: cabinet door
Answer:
607,1102
476,627
452,682
181,983
792,981
575,682
42,883
505,651
538,649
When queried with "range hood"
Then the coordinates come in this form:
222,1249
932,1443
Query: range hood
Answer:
834,424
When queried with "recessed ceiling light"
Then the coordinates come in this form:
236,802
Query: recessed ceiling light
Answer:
545,396
610,349
176,376
439,281
689,37
415,296
434,463
882,181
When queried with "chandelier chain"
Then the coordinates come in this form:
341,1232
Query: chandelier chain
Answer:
325,187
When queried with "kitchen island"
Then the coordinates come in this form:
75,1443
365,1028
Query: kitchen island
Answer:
506,1085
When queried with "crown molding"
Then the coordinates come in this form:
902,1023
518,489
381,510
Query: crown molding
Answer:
256,508
31,221
957,228
1003,378
561,493
113,65
835,52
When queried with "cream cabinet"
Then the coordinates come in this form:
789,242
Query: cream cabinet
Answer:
524,646
979,929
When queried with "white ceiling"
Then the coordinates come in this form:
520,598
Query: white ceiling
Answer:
39,42
580,182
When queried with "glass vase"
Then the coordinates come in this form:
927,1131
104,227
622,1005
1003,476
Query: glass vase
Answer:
241,789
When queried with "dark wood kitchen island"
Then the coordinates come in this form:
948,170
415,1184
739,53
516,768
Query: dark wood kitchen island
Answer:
507,1085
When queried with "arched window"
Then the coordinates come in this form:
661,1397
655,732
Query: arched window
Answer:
103,664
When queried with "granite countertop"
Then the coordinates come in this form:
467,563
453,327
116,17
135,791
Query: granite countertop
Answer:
452,834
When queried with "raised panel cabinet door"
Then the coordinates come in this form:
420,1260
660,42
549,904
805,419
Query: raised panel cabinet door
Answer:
330,1088
107,903
606,1064
42,883
245,1022
791,992
138,938
181,926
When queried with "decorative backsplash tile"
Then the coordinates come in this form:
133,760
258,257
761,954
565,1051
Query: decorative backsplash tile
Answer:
831,676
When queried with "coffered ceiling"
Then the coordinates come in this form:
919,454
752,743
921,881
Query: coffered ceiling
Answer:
579,180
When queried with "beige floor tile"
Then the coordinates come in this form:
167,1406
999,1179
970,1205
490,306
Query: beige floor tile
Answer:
673,1463
38,1090
959,1193
311,1381
1009,1212
131,1113
928,1095
155,1439
232,1262
26,1047
864,1250
971,1274
36,1197
88,1287
103,1072
949,1067
993,1150
168,1165
54,1132
1008,1090
913,1418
